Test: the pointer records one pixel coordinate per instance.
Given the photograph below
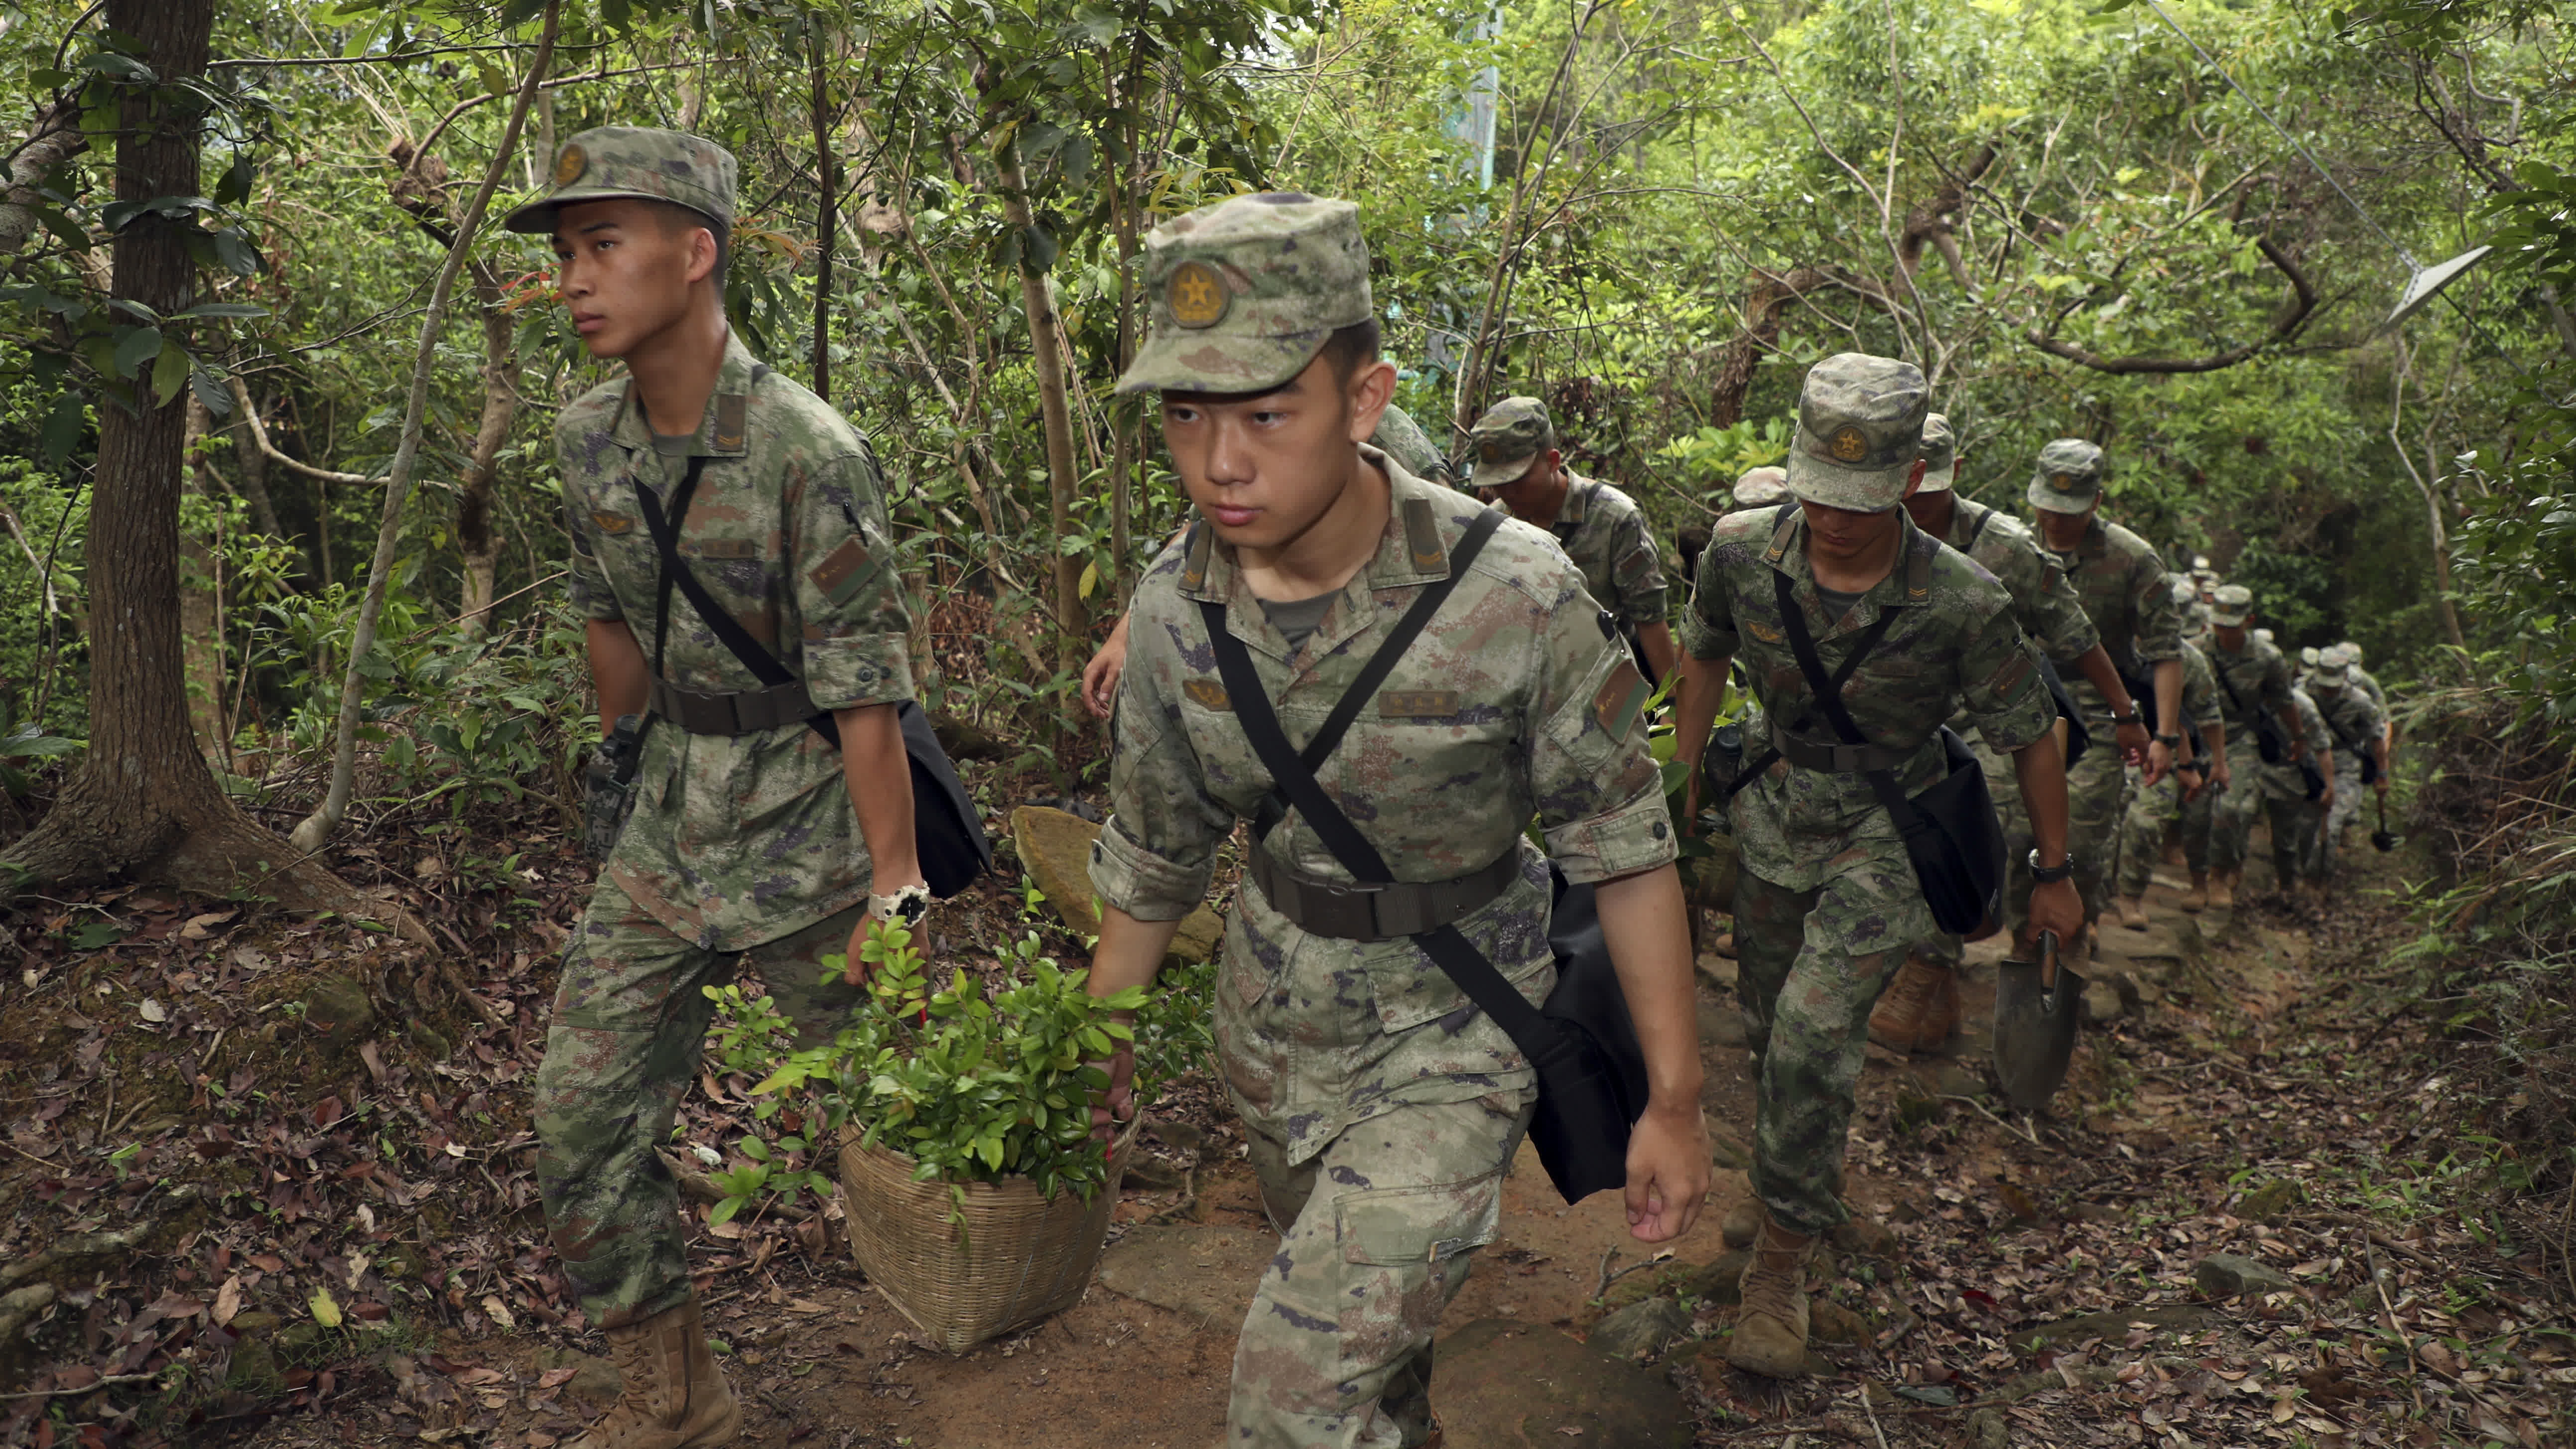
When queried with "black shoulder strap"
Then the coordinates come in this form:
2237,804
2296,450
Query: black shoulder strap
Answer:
1373,674
1829,693
729,631
1977,529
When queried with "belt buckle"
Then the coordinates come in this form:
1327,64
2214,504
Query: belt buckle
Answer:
1847,759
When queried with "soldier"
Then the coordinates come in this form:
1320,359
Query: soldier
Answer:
1921,1007
1761,488
1381,1107
1515,462
2186,797
2358,731
1826,901
1402,439
2253,682
786,526
2361,678
2122,582
2296,815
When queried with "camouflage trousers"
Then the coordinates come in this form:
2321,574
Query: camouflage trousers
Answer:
2093,807
2143,826
630,1022
2328,840
2231,831
1376,1232
1809,967
1941,948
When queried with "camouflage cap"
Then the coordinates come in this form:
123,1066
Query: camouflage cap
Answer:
2263,634
1939,450
2069,479
1245,292
2185,592
2333,668
2308,656
2232,606
612,162
1507,438
2351,649
1762,487
1860,428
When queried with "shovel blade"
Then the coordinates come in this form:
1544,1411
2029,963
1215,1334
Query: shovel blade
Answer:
2383,841
2035,1027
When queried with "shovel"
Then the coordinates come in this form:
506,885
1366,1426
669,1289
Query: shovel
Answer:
2035,1009
2383,839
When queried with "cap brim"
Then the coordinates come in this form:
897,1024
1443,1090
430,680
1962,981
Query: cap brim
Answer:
537,218
1935,480
1180,360
1495,475
2225,620
1854,490
2049,500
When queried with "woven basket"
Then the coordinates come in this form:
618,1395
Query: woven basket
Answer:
1021,1257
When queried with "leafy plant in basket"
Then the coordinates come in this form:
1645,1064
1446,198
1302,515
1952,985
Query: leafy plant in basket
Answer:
975,1081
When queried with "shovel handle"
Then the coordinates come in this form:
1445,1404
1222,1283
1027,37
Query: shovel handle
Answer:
2047,963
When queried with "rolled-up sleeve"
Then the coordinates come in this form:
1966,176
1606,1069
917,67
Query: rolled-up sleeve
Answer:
1637,575
2159,619
2002,688
2053,613
1155,856
1708,623
1599,793
848,590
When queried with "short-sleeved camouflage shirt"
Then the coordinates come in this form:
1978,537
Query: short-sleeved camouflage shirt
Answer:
2351,715
738,840
1602,530
2045,603
2362,680
1514,703
2288,780
2126,593
2254,677
1954,642
2199,689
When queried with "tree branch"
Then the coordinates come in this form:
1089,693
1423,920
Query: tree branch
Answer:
259,435
2302,305
53,138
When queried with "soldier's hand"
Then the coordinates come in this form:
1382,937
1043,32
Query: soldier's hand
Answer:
2056,907
2136,747
1100,677
2219,779
1668,1171
1117,1102
2159,757
2325,801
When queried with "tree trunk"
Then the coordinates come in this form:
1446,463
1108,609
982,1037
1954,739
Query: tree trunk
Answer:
477,544
1769,297
142,802
826,226
52,138
1046,343
315,829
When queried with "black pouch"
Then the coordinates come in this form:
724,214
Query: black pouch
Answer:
2078,737
2312,779
1951,835
2269,741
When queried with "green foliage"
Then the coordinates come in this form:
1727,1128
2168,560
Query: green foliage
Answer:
973,1081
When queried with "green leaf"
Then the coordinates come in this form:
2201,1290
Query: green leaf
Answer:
169,372
754,1148
725,1210
135,346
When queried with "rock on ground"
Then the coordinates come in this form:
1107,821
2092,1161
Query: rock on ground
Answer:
1641,1330
1055,849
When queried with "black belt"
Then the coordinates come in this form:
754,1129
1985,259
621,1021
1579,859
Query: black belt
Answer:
1379,913
702,712
1839,759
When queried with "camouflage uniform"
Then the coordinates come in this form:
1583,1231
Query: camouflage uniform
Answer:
2354,723
1403,440
1599,527
2152,811
2284,793
1383,1109
742,847
2259,675
2122,583
2045,605
1826,904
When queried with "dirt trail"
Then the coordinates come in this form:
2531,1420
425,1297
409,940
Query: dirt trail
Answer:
2242,1226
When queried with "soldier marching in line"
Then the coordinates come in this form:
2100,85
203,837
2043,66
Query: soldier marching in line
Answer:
2256,700
2122,582
2358,733
776,504
2188,797
1920,1011
1382,1109
1827,903
1515,460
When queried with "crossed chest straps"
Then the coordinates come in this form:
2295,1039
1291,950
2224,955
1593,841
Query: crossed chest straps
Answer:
781,700
1839,757
1371,906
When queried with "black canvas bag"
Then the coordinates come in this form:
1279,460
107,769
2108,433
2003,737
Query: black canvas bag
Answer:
2269,742
1582,1043
947,835
1950,831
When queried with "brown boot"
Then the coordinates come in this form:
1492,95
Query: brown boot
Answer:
1771,1328
2133,913
2222,891
675,1396
2197,898
1743,1223
1725,945
1907,1017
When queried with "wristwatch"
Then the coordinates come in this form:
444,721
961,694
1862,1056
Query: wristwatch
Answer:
2135,715
2171,742
2051,875
907,905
